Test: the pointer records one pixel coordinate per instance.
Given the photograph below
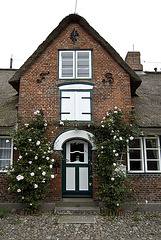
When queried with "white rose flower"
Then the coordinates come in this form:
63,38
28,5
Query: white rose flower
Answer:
15,148
114,150
26,124
47,158
52,176
115,112
131,138
36,157
45,124
52,160
116,154
7,141
20,157
43,173
121,138
112,179
19,177
114,137
102,126
30,139
38,143
39,168
36,112
32,174
18,190
35,186
30,162
114,164
51,166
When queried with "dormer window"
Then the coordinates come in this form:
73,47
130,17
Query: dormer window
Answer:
75,64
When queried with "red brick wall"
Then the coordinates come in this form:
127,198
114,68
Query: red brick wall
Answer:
35,96
147,187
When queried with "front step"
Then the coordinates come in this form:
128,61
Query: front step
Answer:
77,206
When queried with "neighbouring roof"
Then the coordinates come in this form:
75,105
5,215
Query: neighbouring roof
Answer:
8,99
147,103
134,78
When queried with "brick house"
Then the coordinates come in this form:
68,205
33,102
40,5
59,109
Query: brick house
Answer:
75,75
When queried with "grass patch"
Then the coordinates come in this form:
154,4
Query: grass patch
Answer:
3,213
136,218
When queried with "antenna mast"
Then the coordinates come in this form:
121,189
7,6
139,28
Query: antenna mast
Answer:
75,6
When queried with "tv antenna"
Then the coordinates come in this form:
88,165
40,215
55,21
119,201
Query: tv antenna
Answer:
75,6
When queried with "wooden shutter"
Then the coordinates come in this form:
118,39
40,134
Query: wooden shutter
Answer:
83,106
67,105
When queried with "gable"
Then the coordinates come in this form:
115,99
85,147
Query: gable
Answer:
135,81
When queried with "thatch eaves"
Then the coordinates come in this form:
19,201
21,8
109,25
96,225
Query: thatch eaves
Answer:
74,18
8,99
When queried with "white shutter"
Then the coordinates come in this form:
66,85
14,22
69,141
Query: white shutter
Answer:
83,106
67,105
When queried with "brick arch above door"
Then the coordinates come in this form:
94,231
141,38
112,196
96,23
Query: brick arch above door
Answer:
71,134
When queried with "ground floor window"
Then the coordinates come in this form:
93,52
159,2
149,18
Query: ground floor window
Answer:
5,152
144,155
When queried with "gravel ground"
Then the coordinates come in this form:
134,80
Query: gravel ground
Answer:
141,226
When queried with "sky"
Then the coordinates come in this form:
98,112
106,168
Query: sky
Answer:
128,25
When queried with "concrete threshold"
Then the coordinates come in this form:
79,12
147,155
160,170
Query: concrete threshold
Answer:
77,219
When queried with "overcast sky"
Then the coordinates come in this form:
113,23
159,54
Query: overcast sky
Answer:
126,24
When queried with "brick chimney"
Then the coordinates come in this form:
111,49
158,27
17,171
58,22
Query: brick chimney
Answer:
133,60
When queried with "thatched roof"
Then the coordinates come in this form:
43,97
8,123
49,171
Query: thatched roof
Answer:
147,103
134,78
8,99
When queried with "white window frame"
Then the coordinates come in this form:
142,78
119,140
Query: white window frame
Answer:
75,61
68,160
11,149
144,159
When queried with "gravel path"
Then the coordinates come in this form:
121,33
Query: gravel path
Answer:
140,226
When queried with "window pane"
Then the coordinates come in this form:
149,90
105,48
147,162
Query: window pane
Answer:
3,164
5,154
152,154
135,143
151,143
135,165
83,73
67,64
77,147
83,64
5,143
153,165
135,154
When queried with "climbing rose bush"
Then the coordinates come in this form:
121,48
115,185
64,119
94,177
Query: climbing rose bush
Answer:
112,137
30,176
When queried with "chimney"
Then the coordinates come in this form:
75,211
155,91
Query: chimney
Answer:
133,60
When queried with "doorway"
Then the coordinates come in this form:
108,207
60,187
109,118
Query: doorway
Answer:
77,169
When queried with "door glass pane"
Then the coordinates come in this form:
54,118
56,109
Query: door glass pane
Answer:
77,146
77,152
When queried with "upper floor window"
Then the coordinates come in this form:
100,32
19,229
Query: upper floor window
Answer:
5,152
75,64
144,155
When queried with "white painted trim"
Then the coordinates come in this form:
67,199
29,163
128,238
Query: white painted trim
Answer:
69,135
76,87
